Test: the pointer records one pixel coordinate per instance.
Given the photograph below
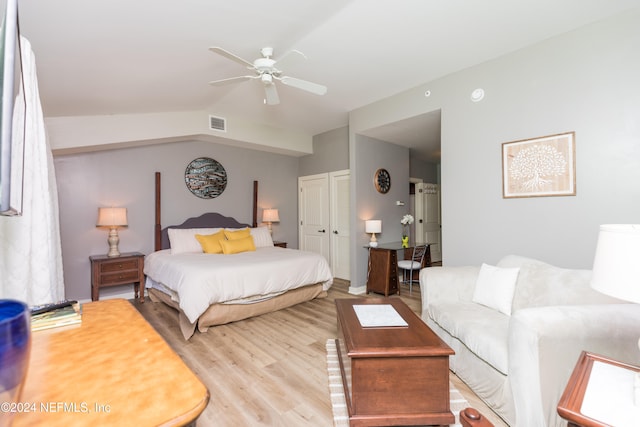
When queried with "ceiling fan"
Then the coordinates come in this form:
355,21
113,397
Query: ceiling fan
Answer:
265,70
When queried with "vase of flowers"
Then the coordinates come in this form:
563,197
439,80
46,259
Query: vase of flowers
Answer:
406,221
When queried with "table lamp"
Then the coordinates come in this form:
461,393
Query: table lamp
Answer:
373,226
616,267
112,218
270,216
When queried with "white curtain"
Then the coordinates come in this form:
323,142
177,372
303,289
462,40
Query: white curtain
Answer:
30,250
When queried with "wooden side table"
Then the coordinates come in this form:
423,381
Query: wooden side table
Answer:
279,244
113,369
122,270
599,393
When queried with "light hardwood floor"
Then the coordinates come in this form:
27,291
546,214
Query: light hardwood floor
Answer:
270,370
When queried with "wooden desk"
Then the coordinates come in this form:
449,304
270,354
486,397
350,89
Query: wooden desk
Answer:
111,370
618,380
392,375
382,270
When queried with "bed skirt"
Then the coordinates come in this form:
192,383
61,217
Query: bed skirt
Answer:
219,314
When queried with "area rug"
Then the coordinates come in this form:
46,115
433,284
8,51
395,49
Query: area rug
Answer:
339,404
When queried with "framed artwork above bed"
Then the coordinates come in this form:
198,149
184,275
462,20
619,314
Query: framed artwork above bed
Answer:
205,178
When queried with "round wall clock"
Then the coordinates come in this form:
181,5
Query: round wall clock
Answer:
382,181
205,177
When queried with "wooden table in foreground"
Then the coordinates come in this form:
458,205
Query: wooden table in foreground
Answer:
393,375
111,370
619,383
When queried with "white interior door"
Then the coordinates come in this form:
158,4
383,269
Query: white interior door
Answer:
418,210
313,214
339,211
432,224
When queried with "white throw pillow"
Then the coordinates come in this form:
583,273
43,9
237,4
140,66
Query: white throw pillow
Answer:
183,240
495,288
261,237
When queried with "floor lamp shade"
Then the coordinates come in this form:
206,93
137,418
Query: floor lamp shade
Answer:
616,267
112,218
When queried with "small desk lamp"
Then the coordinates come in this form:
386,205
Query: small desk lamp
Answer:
270,216
616,267
112,218
373,226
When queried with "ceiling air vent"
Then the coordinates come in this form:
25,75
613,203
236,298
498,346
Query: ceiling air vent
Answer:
217,123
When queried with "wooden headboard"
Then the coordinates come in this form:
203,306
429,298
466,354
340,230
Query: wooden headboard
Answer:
207,220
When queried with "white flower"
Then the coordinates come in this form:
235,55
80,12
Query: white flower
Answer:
407,219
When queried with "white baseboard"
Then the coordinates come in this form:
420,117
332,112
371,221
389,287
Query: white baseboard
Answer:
114,292
357,290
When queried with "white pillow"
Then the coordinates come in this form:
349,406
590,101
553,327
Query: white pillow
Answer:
183,240
495,287
261,237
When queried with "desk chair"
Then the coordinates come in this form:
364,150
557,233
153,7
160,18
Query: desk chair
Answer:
413,264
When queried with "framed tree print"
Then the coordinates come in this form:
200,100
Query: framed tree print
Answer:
543,166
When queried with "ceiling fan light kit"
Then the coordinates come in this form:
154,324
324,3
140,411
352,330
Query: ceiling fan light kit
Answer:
265,70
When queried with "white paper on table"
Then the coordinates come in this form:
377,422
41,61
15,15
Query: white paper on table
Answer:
609,395
378,315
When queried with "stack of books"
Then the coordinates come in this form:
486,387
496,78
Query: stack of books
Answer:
49,316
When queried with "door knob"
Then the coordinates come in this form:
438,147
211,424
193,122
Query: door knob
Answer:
322,231
335,231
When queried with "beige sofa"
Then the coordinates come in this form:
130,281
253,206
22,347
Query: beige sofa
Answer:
519,364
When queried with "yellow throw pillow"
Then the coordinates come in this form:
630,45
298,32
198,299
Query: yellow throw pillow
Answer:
236,246
237,234
211,242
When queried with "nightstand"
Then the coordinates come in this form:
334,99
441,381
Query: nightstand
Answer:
280,244
122,270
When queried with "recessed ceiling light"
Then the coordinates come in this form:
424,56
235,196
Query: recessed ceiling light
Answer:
427,93
477,95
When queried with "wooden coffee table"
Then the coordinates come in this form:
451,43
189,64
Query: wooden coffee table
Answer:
392,375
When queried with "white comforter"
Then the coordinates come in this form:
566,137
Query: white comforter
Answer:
200,280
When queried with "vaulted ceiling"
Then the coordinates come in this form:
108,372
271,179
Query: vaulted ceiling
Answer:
140,56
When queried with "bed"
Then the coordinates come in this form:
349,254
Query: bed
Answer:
211,289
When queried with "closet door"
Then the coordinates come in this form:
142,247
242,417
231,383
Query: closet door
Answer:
339,213
313,214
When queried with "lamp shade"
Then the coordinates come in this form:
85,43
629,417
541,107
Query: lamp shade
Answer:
616,267
373,226
270,215
112,217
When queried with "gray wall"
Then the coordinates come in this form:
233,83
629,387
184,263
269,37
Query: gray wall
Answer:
584,81
125,178
427,171
370,155
330,153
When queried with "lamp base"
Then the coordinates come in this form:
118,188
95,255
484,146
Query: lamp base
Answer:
373,242
113,243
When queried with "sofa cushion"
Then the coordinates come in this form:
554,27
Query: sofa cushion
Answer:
540,284
483,330
495,287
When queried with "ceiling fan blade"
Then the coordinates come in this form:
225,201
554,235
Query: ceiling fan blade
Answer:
271,93
304,85
287,59
231,56
231,80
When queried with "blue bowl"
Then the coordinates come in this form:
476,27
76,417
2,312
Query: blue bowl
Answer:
15,344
